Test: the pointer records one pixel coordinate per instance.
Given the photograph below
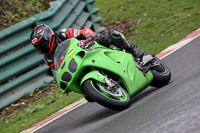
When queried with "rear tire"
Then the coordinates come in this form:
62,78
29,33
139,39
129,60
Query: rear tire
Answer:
97,94
161,74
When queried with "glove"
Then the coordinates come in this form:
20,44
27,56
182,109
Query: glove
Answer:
87,43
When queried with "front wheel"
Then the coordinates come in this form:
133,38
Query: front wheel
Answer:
115,98
161,73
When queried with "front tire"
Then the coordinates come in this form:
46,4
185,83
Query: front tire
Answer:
89,99
93,89
161,74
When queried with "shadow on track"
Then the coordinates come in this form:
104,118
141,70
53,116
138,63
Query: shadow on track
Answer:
99,115
143,94
104,113
150,90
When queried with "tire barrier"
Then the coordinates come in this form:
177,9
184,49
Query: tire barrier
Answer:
21,66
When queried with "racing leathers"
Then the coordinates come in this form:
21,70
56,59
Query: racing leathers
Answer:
86,38
117,39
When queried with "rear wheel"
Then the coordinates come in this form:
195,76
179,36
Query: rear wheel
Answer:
161,73
114,97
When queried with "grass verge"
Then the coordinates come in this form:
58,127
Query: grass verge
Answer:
41,108
14,11
153,24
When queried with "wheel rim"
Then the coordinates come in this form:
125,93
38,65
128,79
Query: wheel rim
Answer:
112,91
117,94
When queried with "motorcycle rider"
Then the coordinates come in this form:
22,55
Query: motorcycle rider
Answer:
46,40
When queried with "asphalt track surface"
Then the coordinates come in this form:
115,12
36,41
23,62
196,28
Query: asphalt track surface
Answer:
174,108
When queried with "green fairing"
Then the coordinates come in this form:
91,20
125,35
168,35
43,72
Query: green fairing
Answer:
89,62
93,75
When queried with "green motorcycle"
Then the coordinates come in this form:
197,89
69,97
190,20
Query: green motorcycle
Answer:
106,76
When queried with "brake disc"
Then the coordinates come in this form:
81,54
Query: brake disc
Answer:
114,90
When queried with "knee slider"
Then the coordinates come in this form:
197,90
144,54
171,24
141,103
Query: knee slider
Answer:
116,37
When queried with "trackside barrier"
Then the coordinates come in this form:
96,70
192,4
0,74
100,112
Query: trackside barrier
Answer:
21,66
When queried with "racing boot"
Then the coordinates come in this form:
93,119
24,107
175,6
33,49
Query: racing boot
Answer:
133,49
116,38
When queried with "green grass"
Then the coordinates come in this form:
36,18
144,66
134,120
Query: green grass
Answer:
14,11
38,111
156,24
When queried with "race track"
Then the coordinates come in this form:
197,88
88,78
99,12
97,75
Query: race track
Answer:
174,108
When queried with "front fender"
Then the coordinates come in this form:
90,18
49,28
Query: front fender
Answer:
93,75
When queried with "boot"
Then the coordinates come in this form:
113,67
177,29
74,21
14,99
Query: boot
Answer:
115,38
133,49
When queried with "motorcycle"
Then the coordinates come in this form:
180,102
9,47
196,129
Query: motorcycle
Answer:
106,76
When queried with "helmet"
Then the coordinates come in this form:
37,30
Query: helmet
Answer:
43,39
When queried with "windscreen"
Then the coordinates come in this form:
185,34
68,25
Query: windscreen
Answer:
60,53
